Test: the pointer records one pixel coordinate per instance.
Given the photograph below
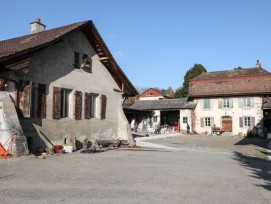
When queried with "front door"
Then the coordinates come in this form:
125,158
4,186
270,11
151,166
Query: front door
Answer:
227,123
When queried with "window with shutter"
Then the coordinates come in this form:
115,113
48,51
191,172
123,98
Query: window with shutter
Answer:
78,105
87,64
42,100
56,102
103,107
206,103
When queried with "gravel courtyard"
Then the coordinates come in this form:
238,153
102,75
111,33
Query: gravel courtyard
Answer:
195,173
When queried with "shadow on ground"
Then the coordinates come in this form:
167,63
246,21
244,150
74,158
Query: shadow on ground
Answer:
260,168
253,141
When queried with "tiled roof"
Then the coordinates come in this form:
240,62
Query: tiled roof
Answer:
238,72
163,104
28,42
24,45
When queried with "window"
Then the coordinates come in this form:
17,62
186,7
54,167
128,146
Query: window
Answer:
154,118
93,102
206,104
207,122
65,96
247,122
76,60
61,102
226,103
87,63
150,94
185,120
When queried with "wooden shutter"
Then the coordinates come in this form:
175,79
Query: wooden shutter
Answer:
25,99
78,105
220,103
231,102
212,122
103,107
252,121
240,121
251,102
56,102
202,122
87,65
87,106
240,102
42,100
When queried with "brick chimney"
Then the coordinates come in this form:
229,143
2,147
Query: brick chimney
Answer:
258,64
37,26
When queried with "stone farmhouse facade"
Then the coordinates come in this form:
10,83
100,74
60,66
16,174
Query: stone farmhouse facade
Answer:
65,85
232,100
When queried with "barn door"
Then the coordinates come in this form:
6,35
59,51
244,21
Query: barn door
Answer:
25,99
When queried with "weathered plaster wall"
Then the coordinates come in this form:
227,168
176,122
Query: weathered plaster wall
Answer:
185,113
54,67
9,124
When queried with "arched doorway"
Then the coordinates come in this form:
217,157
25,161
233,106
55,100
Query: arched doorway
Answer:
227,123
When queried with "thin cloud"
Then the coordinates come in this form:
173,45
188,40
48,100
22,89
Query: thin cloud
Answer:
118,54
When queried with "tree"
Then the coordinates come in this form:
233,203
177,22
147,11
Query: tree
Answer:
169,91
194,71
178,92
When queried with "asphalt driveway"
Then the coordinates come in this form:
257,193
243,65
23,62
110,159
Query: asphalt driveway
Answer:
138,175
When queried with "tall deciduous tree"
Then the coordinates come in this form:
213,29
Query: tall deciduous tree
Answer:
194,71
169,91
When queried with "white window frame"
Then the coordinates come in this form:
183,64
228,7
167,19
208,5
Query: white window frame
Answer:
207,122
247,102
93,105
246,121
154,118
65,103
226,102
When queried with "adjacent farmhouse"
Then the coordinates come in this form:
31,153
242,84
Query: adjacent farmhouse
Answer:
153,94
232,100
65,85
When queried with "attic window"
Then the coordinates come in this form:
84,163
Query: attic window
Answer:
150,94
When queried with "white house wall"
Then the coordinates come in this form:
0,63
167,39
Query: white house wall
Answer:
235,112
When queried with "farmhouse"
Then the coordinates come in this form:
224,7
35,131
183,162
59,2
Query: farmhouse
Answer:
65,85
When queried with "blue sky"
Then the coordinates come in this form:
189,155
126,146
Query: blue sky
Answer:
156,41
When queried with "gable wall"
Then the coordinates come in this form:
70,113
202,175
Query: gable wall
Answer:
150,94
53,66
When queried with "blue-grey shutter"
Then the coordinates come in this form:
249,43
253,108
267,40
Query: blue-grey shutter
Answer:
251,102
252,121
240,121
240,102
231,102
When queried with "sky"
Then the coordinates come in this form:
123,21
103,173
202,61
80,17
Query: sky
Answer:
155,42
